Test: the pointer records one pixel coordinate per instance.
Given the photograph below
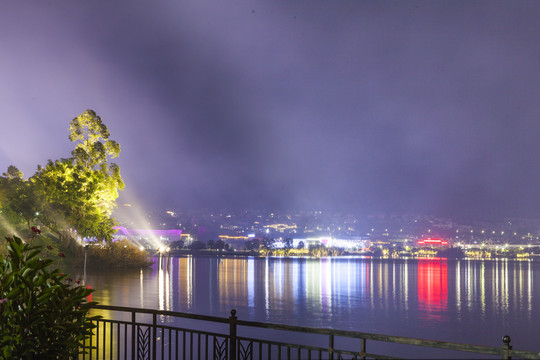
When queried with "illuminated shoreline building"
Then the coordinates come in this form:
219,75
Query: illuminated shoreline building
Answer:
147,237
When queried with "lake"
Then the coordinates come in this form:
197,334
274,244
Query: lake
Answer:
469,301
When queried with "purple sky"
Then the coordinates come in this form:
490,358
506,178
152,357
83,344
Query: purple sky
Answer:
360,106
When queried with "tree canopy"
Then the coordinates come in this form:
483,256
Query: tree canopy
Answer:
72,196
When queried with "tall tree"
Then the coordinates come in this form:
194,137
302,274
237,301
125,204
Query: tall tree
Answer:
13,173
80,192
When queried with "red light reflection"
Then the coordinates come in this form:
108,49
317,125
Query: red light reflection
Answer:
433,286
89,297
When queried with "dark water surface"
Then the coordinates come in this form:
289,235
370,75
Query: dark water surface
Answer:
469,301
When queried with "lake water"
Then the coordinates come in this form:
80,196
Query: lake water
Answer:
469,301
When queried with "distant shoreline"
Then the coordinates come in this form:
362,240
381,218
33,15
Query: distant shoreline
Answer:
242,253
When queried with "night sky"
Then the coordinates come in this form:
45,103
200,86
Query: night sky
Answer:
355,106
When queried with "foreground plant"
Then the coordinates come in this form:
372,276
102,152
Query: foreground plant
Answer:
42,314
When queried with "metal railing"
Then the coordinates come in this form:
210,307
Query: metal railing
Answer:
154,334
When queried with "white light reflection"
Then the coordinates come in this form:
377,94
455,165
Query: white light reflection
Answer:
161,290
294,278
405,289
371,283
188,277
380,276
141,286
483,288
505,287
394,281
251,283
458,289
168,273
530,288
164,285
470,284
266,289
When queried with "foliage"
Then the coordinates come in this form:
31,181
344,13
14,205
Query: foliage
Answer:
287,252
315,251
18,204
117,254
92,138
321,251
75,199
289,243
218,245
253,245
268,243
177,245
375,251
43,313
80,192
197,245
13,173
72,197
478,253
451,253
424,252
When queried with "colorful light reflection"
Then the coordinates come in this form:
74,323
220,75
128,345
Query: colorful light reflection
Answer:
433,286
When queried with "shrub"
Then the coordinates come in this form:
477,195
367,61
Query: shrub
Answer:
43,313
118,254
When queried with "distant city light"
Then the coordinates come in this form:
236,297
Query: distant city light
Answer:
430,241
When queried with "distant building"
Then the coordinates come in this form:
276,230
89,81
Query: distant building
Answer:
430,242
146,235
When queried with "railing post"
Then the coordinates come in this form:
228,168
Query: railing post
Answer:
506,348
133,339
363,348
331,346
154,344
232,335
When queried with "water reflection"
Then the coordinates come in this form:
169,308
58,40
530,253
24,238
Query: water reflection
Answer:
433,288
478,298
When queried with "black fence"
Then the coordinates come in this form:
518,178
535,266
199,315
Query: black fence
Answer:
154,334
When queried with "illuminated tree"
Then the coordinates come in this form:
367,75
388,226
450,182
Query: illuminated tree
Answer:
18,205
80,192
93,145
13,173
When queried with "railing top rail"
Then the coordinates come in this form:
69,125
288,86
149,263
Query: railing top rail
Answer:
162,312
326,331
377,337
